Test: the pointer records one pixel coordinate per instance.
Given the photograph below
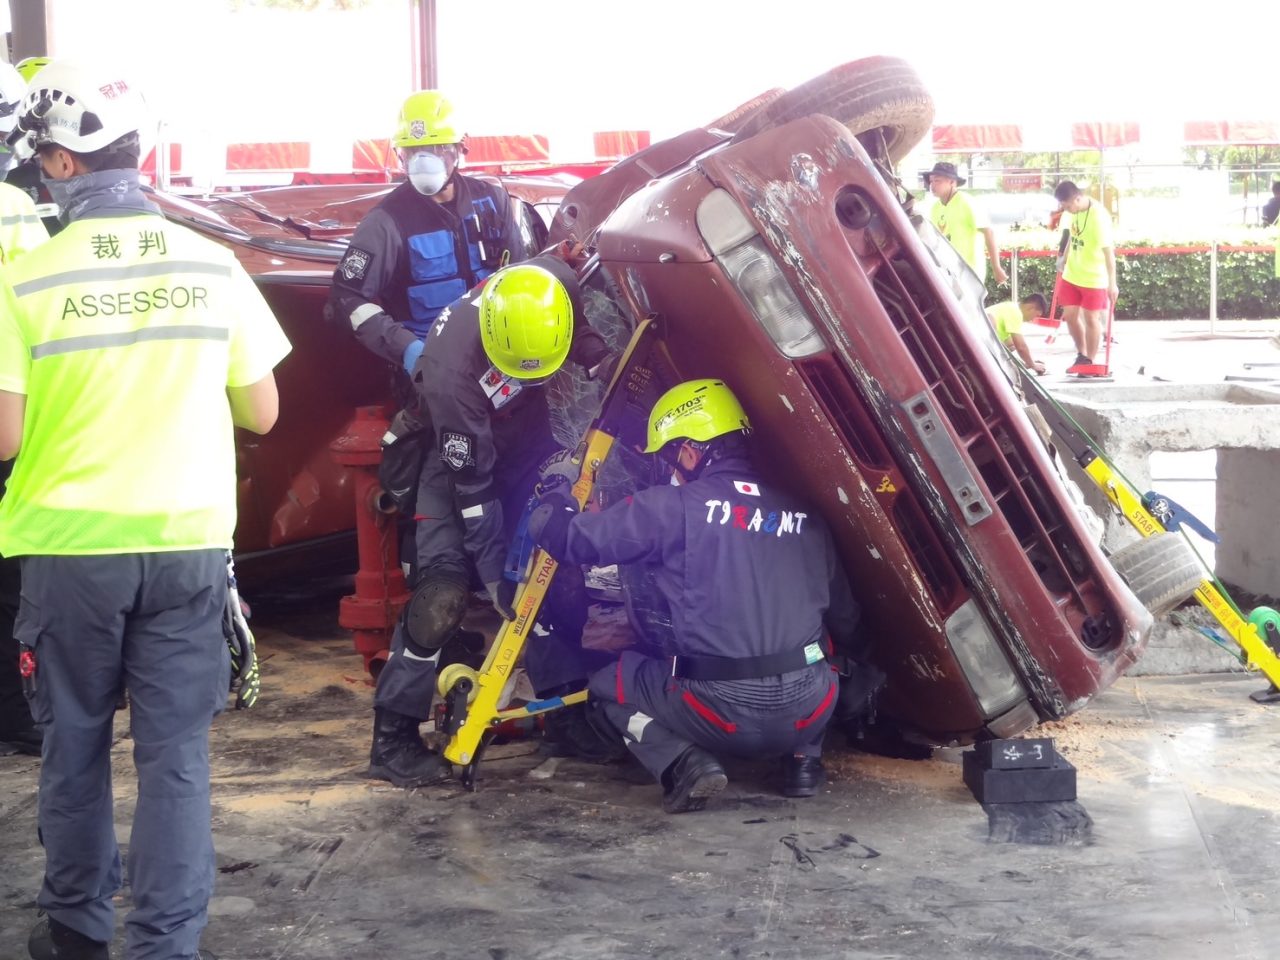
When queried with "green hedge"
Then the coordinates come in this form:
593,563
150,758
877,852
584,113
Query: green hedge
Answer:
1160,286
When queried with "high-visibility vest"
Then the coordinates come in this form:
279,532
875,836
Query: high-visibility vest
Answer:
20,226
124,334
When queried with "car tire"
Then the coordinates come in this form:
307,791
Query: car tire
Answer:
1161,570
869,96
732,121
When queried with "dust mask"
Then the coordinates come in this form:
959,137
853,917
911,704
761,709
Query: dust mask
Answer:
427,172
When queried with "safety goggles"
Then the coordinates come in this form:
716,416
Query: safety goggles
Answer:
445,151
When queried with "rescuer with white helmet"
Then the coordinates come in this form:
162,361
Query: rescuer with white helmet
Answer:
129,347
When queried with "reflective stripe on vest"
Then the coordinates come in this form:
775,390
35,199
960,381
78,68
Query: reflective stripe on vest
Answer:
130,325
99,341
91,274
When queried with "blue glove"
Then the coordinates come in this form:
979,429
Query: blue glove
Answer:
411,354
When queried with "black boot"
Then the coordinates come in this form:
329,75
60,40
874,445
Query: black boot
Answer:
802,776
398,754
694,777
579,732
51,940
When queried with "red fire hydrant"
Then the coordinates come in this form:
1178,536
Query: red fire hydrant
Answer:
381,592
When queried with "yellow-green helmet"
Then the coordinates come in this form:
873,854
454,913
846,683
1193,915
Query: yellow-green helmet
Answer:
526,321
30,66
426,119
695,410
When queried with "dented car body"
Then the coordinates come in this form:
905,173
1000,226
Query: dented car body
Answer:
785,259
787,265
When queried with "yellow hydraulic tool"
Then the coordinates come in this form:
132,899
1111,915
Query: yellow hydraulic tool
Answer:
472,697
1253,640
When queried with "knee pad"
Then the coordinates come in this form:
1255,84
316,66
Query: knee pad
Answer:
433,613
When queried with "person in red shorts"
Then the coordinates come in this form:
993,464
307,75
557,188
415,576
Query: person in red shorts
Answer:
1087,288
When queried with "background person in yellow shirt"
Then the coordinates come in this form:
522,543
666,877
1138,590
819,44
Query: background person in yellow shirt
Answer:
962,220
1008,318
1087,289
129,347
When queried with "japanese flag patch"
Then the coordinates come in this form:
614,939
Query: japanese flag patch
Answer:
750,489
499,388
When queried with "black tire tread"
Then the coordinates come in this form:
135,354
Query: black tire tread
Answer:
864,95
732,121
1162,571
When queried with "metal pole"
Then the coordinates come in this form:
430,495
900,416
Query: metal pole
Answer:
423,21
163,172
1213,287
1013,274
30,37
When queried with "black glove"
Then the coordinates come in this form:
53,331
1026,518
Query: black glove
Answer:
503,594
549,522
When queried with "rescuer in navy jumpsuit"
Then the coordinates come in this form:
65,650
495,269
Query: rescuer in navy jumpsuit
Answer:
754,586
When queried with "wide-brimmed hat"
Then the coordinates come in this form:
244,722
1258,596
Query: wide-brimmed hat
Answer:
944,170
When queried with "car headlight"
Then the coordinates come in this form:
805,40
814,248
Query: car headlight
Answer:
746,259
983,661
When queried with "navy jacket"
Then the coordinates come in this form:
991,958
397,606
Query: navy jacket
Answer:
482,419
747,569
411,257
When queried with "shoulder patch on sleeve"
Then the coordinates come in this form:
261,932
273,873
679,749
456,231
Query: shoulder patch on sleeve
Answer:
355,263
457,449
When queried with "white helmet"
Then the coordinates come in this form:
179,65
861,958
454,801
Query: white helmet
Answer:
12,87
78,108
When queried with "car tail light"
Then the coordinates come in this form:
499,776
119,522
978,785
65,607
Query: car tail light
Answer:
983,661
745,258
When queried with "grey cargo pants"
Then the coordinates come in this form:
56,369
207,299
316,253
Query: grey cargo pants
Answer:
152,622
660,716
553,657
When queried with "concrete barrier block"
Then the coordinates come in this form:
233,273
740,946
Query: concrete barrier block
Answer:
1241,421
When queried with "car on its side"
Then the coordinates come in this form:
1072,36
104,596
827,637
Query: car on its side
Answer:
777,249
786,258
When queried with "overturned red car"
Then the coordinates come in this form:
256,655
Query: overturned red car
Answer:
778,251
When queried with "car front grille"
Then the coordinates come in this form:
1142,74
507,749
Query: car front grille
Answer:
962,393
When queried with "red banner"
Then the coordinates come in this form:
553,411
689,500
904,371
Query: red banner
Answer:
268,156
1198,132
373,156
496,151
618,144
1097,136
976,137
